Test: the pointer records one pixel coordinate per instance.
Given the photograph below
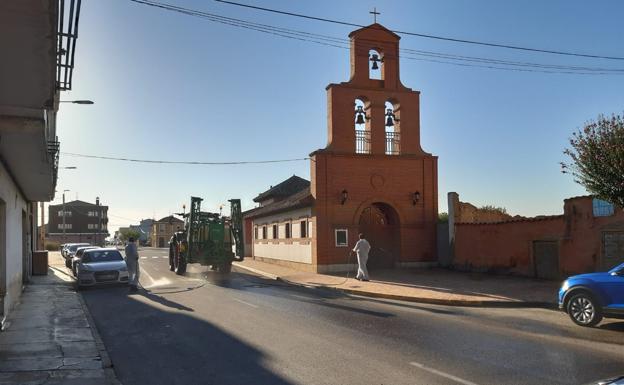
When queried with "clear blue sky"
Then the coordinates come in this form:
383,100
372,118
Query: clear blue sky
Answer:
174,87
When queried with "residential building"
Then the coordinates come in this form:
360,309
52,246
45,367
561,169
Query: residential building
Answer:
36,65
80,222
163,230
373,177
144,229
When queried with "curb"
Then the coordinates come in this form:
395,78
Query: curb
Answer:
432,301
107,364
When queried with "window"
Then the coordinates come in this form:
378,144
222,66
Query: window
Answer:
161,227
264,232
255,232
303,226
93,213
68,226
67,213
274,231
341,238
287,230
602,208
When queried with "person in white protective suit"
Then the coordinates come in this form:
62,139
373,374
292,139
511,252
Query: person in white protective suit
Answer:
132,261
362,247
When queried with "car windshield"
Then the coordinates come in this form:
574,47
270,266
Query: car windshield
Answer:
75,247
95,256
618,268
81,250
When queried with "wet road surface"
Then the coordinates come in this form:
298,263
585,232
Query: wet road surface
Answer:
207,328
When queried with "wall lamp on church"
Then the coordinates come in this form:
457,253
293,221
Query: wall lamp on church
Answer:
343,197
415,197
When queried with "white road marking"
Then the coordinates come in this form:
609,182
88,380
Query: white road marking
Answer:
246,303
165,257
302,297
154,257
143,257
442,374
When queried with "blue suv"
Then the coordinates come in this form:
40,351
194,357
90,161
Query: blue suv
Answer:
589,297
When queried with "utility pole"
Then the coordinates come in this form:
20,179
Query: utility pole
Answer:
42,233
99,214
64,215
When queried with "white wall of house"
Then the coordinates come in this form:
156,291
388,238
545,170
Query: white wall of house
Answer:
295,248
12,208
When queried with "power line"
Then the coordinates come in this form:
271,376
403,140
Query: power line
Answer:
456,40
424,55
182,162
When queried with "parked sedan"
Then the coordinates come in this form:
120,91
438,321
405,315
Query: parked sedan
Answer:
71,250
101,266
76,258
587,298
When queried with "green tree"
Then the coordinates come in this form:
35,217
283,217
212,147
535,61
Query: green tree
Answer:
597,158
443,217
126,234
495,209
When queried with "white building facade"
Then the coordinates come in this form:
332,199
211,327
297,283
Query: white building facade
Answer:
37,63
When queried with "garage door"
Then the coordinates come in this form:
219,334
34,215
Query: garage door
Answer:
546,257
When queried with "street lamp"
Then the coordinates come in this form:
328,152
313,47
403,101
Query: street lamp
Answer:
77,101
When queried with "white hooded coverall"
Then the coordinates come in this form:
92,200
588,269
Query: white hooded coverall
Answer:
132,261
362,247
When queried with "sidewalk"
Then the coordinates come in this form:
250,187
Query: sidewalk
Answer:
50,338
435,285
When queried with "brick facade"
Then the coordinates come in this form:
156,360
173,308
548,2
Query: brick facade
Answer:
402,186
579,240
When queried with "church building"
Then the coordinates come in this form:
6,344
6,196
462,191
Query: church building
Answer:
373,177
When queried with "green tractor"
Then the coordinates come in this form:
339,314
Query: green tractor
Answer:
208,239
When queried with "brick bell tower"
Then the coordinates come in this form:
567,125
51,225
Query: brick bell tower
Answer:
373,177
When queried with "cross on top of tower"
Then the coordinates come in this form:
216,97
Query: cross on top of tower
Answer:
375,13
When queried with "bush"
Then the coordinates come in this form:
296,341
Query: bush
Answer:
52,246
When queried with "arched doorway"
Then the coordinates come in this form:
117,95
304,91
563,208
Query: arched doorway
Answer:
379,223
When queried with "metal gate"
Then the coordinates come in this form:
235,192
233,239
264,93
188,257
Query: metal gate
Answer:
546,259
612,249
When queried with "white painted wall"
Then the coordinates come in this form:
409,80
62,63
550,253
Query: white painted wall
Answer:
293,249
14,204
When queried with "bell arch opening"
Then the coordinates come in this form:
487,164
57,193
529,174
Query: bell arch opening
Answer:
380,224
362,128
375,64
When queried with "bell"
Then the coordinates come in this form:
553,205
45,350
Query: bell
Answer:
389,118
359,115
375,59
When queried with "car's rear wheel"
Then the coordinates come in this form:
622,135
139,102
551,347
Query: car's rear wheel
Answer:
584,310
68,262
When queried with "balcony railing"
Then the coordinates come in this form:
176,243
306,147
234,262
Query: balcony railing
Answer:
393,143
67,33
362,142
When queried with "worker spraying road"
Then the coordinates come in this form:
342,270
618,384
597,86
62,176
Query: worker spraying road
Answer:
132,262
362,247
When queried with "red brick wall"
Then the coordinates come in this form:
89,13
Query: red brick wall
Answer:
508,246
369,179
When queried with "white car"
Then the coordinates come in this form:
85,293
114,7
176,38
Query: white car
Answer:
101,267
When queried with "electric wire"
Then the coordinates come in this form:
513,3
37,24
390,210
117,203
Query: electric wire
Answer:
427,56
182,162
456,40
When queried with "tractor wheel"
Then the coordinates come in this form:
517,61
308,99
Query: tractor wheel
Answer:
180,263
225,267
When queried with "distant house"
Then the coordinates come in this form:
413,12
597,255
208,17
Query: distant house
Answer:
163,229
144,229
83,222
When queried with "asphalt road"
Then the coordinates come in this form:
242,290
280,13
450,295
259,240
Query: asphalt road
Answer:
206,328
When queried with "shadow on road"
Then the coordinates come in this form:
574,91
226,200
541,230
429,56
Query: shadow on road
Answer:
614,326
150,345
